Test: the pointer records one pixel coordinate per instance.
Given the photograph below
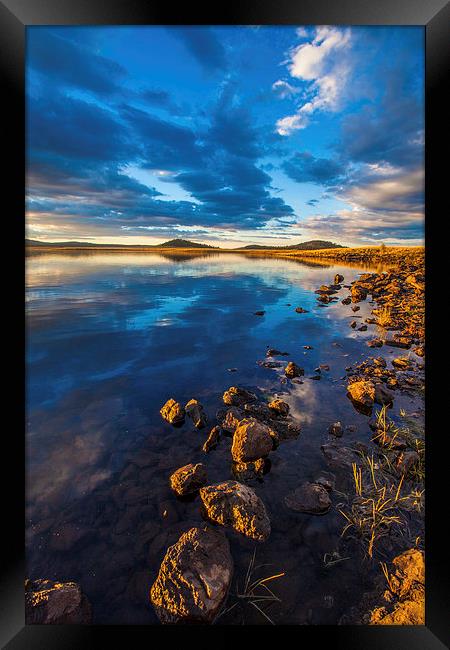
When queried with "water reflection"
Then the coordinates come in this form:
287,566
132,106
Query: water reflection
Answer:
110,337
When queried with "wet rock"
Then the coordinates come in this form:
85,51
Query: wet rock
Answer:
259,313
236,396
358,293
251,440
346,301
293,370
308,347
173,412
230,419
273,352
356,308
339,456
327,480
420,351
338,278
194,578
55,603
324,290
212,439
244,472
188,479
311,498
325,299
353,324
257,410
398,342
402,363
195,411
286,430
324,366
300,310
270,364
406,461
375,343
362,328
362,394
336,429
279,407
383,395
237,506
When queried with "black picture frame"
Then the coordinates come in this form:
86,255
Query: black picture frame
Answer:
434,15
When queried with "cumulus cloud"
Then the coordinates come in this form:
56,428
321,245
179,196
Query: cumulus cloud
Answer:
320,64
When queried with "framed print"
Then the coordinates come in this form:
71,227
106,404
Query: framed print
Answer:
232,411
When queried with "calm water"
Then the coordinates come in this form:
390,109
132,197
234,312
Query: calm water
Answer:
110,339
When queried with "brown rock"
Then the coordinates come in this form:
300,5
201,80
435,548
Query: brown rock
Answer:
336,429
311,498
188,479
358,293
338,278
251,440
55,603
236,396
194,578
244,472
362,393
212,439
235,505
173,412
195,411
279,407
293,370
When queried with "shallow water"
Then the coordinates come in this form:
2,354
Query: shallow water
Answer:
110,337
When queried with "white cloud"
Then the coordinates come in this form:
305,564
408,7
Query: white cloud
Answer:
321,64
284,89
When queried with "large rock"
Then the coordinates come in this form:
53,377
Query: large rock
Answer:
236,396
194,578
362,394
212,439
383,395
293,370
311,498
55,603
251,440
229,419
173,412
338,278
279,407
188,479
195,411
235,505
244,472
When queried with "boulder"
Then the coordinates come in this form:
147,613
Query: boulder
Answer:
173,412
401,363
244,472
236,396
195,411
327,480
353,324
383,395
194,578
338,278
188,479
231,419
55,603
251,440
346,301
236,506
279,407
293,370
285,430
358,293
273,352
362,394
311,498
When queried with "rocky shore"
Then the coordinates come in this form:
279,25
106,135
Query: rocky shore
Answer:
194,578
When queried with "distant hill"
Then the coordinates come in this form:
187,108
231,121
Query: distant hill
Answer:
314,244
173,243
183,243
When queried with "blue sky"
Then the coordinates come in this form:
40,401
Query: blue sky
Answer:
226,135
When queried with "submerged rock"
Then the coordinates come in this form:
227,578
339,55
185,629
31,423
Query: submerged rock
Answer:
55,603
251,440
336,429
327,480
195,411
383,395
173,412
273,352
188,479
339,456
194,578
311,498
236,396
293,370
212,439
237,506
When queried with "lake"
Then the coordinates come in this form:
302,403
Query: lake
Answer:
111,337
